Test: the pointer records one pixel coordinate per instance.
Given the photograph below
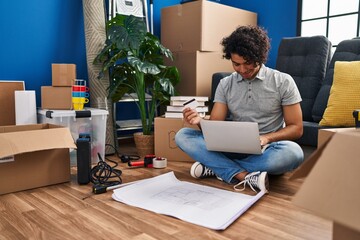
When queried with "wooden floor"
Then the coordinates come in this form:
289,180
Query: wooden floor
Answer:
71,211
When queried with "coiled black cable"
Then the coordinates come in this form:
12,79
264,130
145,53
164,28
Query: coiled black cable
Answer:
104,174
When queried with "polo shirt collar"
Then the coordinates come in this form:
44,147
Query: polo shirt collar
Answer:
260,75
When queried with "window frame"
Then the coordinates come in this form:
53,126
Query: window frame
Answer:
327,17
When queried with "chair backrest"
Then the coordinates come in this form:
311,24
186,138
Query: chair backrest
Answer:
306,60
216,77
347,50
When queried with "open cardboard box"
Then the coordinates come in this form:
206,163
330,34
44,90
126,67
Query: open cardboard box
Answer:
33,156
332,185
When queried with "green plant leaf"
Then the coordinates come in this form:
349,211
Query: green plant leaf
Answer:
145,67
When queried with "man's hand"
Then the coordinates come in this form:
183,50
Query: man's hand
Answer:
264,140
191,116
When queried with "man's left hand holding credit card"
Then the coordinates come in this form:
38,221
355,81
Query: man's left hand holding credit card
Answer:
193,104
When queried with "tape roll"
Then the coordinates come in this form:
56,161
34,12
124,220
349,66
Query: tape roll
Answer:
159,162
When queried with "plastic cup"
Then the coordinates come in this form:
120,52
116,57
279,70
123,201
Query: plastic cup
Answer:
80,94
80,82
78,106
79,88
80,100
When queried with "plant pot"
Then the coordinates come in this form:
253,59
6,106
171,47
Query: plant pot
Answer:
144,144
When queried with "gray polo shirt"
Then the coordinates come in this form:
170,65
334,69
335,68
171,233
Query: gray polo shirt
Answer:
259,100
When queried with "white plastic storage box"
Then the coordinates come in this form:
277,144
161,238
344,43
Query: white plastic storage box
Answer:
89,121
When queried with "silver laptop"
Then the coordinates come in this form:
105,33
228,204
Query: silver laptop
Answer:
231,136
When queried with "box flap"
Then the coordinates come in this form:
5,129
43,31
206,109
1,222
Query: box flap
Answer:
16,142
306,167
25,127
332,189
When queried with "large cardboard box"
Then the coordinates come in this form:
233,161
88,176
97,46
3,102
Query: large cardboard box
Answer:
57,98
63,75
196,70
201,25
33,156
165,146
332,187
7,101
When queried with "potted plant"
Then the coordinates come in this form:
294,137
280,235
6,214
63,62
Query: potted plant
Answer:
134,59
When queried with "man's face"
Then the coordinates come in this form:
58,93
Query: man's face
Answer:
245,69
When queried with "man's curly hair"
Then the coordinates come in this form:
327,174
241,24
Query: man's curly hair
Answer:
250,42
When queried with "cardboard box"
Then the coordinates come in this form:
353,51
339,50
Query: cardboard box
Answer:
33,156
326,133
196,70
56,98
332,187
165,146
7,101
341,232
324,137
201,25
63,75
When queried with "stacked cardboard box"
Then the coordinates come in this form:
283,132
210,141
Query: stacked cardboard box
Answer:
58,96
193,32
31,155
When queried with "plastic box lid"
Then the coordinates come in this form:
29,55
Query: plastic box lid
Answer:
87,112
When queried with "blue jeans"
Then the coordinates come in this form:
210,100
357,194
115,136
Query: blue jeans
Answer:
278,158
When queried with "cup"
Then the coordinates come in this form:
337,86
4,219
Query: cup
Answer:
79,82
80,100
80,94
78,106
79,88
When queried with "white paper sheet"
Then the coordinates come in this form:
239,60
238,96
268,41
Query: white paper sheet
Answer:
198,204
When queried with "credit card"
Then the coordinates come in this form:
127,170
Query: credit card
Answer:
191,104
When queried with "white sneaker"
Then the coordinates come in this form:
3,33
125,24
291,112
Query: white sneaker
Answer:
256,180
200,171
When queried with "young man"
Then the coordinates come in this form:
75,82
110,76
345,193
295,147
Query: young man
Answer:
253,93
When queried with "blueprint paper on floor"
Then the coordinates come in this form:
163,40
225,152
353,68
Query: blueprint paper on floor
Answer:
198,204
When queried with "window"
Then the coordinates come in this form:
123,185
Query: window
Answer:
336,19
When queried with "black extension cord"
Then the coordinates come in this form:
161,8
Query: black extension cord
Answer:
103,175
